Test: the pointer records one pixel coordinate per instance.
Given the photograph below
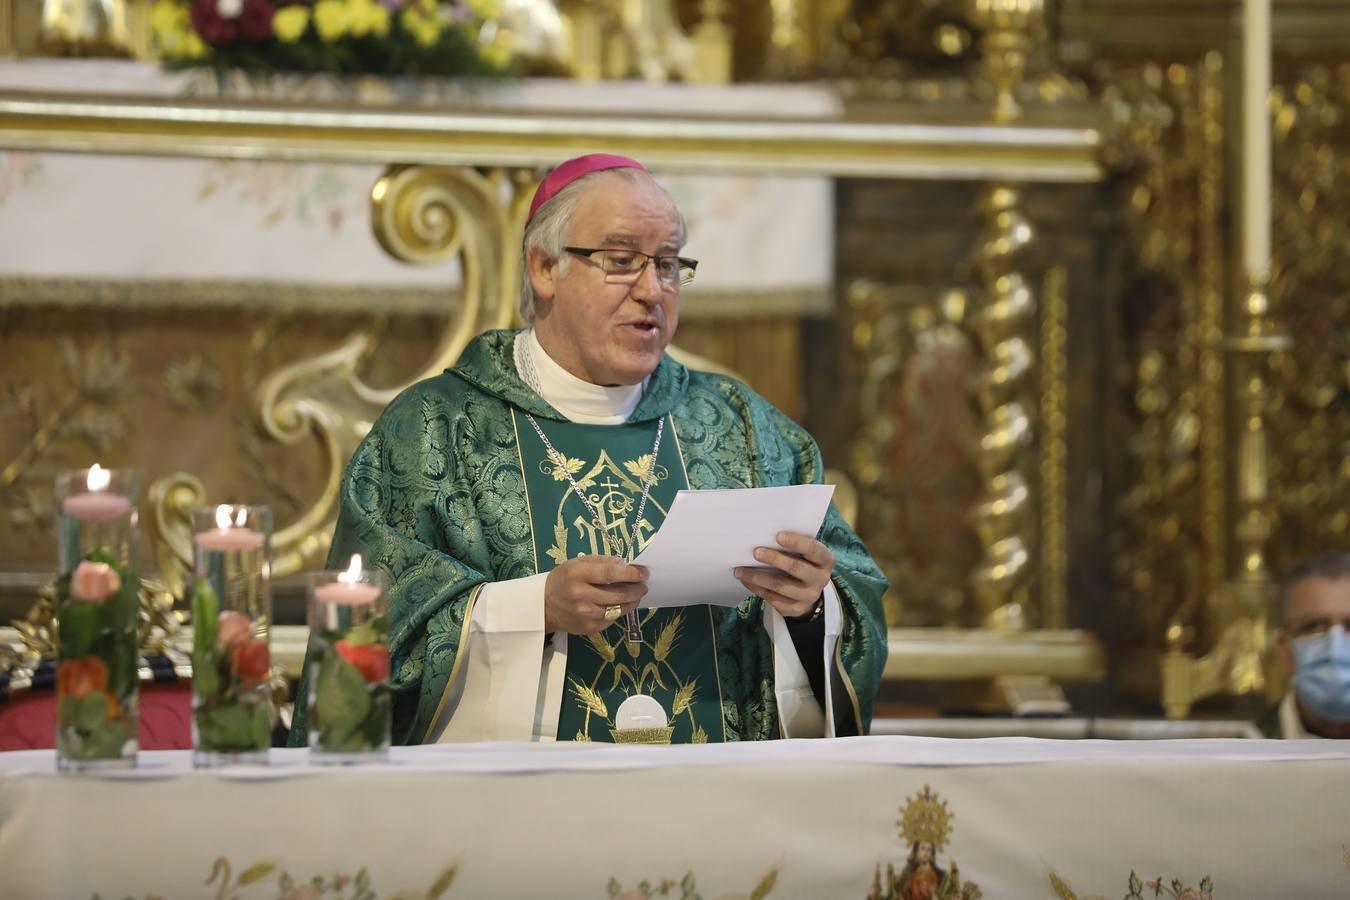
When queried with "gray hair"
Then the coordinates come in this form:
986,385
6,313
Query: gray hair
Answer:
1332,566
546,234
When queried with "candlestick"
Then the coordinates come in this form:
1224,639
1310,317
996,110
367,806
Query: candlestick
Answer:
1256,137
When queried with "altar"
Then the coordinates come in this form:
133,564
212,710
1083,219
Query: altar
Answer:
854,817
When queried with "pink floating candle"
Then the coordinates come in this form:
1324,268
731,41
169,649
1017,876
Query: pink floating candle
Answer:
229,539
346,593
350,589
96,506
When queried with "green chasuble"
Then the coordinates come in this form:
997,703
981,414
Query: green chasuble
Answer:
452,489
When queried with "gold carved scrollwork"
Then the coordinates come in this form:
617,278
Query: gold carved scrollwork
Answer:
1171,557
421,214
171,501
1003,323
1309,416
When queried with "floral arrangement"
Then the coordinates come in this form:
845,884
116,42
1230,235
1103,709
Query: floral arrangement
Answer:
231,702
345,37
96,677
349,711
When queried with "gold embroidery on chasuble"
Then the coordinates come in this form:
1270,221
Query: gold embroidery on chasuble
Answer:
676,660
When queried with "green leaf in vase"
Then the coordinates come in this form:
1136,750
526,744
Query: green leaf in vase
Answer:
361,634
341,701
205,616
230,728
103,556
91,711
121,645
124,605
205,680
106,740
81,625
375,728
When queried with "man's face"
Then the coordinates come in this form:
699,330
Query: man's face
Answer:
1314,605
601,332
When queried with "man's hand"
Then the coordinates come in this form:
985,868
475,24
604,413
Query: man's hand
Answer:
577,593
797,575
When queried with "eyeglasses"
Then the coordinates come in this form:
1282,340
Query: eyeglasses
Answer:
1318,625
627,266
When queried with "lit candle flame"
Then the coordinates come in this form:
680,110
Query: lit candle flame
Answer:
223,517
99,478
353,573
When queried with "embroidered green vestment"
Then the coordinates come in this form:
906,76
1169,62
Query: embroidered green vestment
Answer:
452,489
672,662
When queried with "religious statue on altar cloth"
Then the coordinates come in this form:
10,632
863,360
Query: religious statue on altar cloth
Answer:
925,824
506,498
921,877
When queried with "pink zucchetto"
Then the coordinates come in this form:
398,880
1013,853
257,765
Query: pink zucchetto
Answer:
570,171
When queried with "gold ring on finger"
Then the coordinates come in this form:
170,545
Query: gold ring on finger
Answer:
613,612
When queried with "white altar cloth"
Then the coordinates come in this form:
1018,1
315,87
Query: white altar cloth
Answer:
1019,818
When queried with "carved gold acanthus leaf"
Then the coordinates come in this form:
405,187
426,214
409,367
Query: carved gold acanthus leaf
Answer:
171,501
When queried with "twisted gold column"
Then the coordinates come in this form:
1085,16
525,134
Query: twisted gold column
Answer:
1002,322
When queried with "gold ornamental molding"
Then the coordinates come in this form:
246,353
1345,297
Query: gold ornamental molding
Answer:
1056,150
959,654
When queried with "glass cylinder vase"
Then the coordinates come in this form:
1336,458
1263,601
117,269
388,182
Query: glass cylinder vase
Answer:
348,695
97,656
231,625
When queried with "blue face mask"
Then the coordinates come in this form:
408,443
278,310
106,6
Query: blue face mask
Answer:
1322,673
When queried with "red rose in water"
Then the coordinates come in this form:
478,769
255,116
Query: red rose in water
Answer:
371,660
250,660
211,25
256,19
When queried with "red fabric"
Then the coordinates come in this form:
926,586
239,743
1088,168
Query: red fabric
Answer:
28,719
570,171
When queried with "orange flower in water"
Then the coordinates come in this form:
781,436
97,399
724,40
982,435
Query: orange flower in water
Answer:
78,678
372,660
251,660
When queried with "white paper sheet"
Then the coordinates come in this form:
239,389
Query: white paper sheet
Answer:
707,534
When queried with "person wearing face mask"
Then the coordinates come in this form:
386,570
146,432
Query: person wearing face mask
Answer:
505,499
1314,648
